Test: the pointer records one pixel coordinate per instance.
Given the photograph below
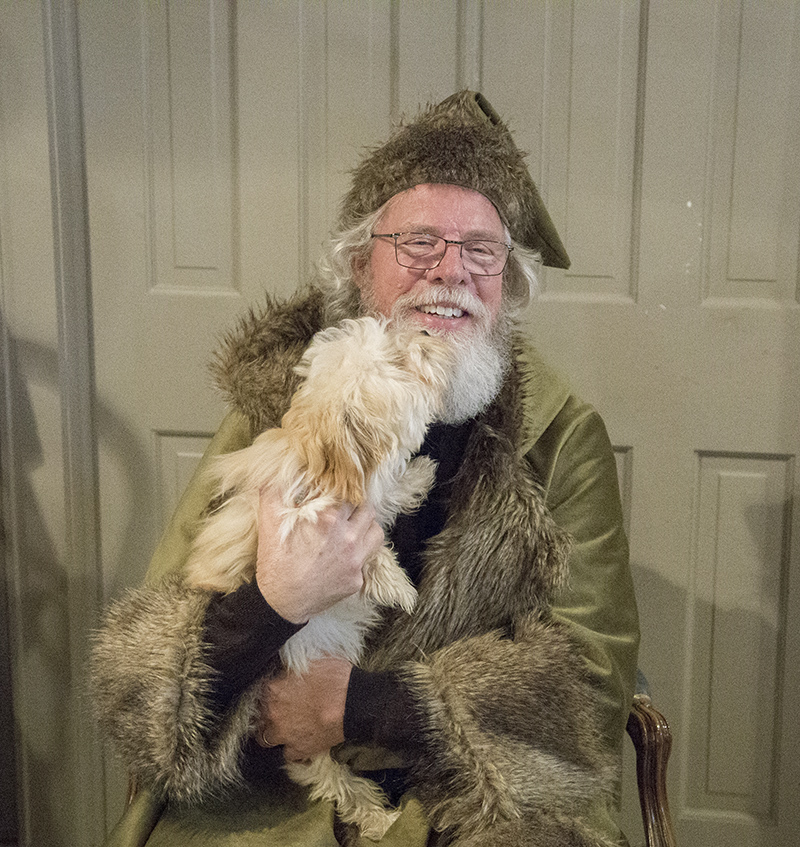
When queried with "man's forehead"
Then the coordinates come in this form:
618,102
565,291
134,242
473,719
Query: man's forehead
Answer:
434,207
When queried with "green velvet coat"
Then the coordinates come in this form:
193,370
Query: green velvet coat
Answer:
521,657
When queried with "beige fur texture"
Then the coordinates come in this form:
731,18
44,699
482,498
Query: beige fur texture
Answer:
368,395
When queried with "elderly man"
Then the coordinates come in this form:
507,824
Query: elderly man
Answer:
492,715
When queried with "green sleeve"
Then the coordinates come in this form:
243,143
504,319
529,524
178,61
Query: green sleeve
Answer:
173,548
576,464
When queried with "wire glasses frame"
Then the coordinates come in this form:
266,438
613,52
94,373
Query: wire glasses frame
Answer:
423,251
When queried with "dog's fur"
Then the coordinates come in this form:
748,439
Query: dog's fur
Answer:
369,393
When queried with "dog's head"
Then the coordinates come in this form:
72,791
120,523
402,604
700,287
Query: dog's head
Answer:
369,394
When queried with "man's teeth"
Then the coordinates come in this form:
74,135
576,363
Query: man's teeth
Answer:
442,311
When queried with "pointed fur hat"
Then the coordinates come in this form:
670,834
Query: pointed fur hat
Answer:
461,141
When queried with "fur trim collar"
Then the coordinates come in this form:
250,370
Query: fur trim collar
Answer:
254,367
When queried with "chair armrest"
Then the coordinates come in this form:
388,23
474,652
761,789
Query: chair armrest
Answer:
652,740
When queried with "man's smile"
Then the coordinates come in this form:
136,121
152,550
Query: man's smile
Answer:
441,310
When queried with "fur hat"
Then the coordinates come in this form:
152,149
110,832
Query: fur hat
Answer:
462,141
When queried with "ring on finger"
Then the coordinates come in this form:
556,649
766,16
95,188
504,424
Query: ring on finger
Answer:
265,742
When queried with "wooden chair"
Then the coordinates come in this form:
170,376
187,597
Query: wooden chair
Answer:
652,741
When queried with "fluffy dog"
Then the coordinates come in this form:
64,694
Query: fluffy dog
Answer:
369,394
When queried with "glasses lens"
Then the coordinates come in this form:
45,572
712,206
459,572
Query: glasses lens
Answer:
484,257
422,252
418,250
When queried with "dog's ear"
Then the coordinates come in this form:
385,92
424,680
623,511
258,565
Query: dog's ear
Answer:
338,447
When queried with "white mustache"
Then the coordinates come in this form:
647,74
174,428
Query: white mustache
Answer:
443,296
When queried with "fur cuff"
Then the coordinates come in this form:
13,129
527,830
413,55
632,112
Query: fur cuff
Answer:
150,684
509,734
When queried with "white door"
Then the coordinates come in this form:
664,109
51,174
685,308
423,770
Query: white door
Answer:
671,151
664,136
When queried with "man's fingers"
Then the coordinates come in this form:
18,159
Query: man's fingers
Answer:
363,514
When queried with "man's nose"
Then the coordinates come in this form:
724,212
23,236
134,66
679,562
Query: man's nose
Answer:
451,269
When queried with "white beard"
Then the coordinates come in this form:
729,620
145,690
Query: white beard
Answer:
480,366
481,354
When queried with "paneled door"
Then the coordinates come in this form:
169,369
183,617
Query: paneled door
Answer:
664,136
669,145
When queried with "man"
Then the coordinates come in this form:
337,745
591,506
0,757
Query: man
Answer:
494,713
446,300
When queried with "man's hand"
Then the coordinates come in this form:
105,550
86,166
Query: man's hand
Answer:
319,563
305,713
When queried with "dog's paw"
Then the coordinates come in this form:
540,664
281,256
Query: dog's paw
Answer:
414,485
387,584
358,800
405,597
374,823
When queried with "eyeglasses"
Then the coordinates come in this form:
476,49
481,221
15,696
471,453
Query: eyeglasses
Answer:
422,251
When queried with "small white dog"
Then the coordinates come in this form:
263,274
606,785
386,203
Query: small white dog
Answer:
369,394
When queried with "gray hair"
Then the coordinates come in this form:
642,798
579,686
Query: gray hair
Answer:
349,249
